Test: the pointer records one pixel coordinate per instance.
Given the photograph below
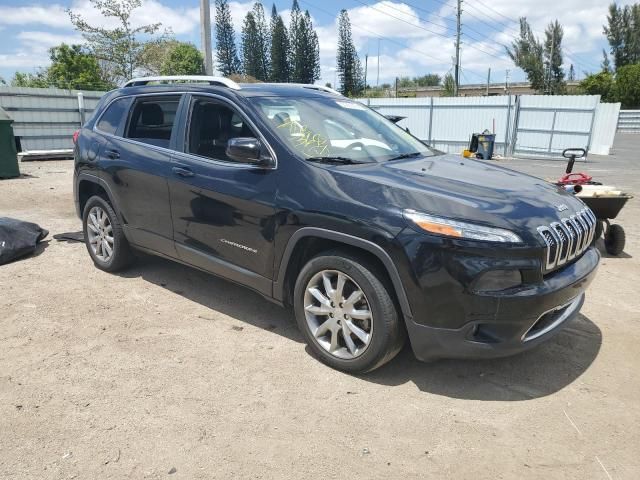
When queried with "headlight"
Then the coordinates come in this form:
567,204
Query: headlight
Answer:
458,229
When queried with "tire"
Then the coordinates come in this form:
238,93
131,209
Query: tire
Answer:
383,331
99,218
598,233
614,240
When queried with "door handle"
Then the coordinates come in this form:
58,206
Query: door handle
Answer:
112,154
183,171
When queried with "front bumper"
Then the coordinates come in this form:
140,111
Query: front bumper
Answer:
521,320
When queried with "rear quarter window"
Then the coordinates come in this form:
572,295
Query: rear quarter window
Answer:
112,116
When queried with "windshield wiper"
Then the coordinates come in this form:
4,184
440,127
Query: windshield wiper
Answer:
332,159
406,155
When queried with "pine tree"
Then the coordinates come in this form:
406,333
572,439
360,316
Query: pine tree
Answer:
263,41
553,59
295,44
255,51
347,61
305,49
572,73
623,34
280,68
526,53
226,53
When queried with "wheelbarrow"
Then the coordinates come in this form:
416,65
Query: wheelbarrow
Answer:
604,201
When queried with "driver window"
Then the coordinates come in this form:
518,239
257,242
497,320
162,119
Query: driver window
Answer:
211,126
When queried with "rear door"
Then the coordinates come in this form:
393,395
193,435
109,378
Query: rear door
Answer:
137,163
223,211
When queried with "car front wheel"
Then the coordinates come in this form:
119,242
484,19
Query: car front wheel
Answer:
346,312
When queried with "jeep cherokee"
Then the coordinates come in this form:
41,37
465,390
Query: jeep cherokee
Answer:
319,203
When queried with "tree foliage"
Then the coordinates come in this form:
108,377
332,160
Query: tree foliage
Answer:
627,86
541,61
448,85
527,53
427,80
182,58
255,44
305,49
74,68
602,84
555,83
226,53
347,61
623,34
120,49
280,68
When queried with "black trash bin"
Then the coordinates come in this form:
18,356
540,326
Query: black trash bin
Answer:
482,145
8,153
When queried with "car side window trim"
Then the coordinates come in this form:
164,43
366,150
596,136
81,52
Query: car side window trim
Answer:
188,110
119,130
182,112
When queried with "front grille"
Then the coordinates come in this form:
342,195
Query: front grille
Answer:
567,239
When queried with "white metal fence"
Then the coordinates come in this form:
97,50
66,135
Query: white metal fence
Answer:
527,125
629,121
45,118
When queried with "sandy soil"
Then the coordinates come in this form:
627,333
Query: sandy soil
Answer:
165,372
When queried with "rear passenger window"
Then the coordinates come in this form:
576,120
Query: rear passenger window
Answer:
152,120
110,119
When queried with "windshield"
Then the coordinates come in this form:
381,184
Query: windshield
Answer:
337,128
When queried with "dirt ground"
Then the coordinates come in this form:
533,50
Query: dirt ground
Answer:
166,372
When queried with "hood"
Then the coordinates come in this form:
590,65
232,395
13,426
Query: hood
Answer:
468,189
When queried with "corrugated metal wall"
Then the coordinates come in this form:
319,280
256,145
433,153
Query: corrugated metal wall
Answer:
528,125
629,121
603,133
45,118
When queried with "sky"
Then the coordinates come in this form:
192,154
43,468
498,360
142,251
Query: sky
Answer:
402,38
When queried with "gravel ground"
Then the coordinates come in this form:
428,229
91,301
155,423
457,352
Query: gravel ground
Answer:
166,372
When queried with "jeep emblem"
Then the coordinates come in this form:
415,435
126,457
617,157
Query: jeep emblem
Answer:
562,207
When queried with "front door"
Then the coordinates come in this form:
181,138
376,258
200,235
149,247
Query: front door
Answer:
223,211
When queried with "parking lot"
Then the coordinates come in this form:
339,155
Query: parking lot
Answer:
163,371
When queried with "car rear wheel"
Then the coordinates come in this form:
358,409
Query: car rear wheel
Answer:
346,313
103,236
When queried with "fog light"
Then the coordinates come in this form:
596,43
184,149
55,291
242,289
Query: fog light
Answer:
496,280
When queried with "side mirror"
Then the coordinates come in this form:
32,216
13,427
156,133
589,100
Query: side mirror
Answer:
248,150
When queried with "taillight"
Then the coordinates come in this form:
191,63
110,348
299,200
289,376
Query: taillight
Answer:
75,136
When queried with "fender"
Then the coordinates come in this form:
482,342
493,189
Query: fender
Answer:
97,180
377,250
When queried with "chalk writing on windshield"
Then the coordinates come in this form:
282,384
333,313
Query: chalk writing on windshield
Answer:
305,140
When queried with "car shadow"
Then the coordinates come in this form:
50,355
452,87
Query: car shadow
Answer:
215,293
532,374
537,373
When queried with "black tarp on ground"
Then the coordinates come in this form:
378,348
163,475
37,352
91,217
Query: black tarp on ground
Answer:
18,238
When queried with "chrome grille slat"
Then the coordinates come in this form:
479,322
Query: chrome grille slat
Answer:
567,239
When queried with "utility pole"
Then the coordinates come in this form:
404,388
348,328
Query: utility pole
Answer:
205,36
457,66
506,82
553,47
378,75
366,62
488,80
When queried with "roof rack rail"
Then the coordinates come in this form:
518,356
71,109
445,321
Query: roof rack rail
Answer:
322,88
220,81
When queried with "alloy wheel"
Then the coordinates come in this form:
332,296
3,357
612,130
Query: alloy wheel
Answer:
100,234
338,314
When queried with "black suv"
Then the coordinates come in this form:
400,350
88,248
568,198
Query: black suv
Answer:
320,203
